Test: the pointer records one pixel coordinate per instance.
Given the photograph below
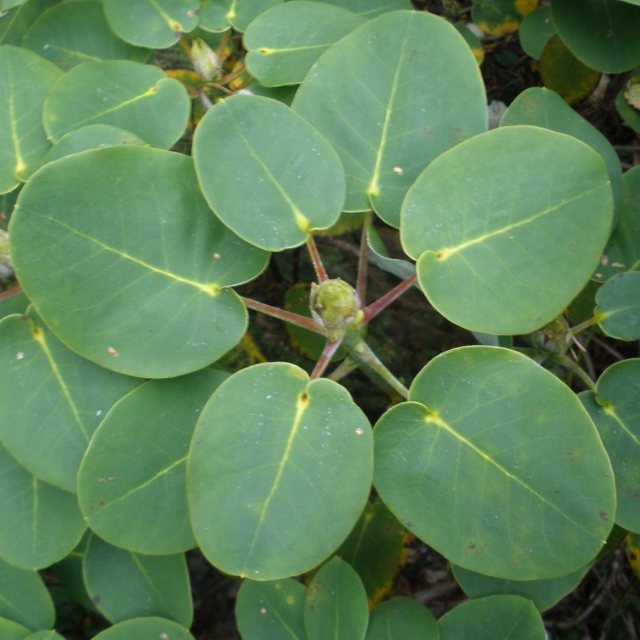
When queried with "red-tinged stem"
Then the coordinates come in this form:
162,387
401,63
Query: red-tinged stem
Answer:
10,292
330,347
361,284
343,369
321,274
287,316
382,303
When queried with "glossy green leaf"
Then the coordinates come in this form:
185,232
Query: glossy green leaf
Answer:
527,482
25,79
125,585
10,630
371,8
14,24
24,598
543,593
284,41
213,15
499,17
280,179
402,618
133,96
93,136
535,30
336,604
614,406
543,108
52,400
601,33
156,24
386,128
271,610
145,629
618,306
503,617
74,32
39,524
508,227
143,507
123,258
291,471
14,303
219,15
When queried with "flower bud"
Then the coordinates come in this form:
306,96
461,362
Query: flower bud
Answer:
334,305
205,61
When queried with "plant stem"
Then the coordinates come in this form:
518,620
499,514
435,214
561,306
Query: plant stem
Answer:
382,303
585,325
10,292
330,347
574,367
321,274
343,369
361,283
287,316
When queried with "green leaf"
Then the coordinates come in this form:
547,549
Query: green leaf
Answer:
143,507
24,598
10,630
280,179
515,224
25,80
156,24
543,108
74,32
52,400
133,96
391,96
16,23
615,409
371,8
628,103
145,629
499,17
618,306
336,604
121,255
45,635
93,136
535,30
241,13
601,33
271,610
402,269
494,443
39,523
284,41
543,593
296,444
125,585
402,619
14,303
213,15
503,617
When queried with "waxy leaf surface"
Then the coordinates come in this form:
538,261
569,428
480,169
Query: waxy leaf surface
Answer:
614,406
137,97
10,630
535,30
499,17
371,8
271,610
508,227
288,460
25,79
506,471
150,628
131,485
125,262
280,178
51,400
125,585
402,618
391,96
618,306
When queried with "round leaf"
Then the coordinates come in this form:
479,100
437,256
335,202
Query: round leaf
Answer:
14,25
42,524
336,604
402,619
10,630
535,30
391,96
628,102
15,303
52,400
145,629
241,13
618,306
499,17
143,507
288,460
499,446
284,41
371,8
24,598
280,179
125,585
136,97
601,33
503,617
271,610
615,409
74,32
124,260
45,635
508,227
25,80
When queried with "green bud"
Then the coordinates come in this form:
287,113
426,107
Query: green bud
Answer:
205,61
334,305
